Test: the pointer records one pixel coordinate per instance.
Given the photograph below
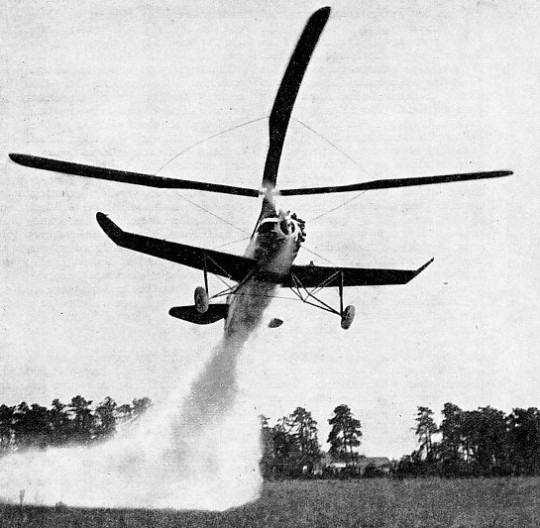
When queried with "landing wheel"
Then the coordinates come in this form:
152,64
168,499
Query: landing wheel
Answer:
347,317
201,299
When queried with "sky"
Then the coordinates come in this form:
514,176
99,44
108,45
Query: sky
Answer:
403,88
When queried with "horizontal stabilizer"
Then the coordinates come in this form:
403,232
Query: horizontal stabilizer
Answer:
311,276
233,267
191,314
137,178
396,182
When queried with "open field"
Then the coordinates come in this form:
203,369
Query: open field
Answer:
503,502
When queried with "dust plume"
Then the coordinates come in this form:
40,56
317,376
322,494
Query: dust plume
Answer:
200,450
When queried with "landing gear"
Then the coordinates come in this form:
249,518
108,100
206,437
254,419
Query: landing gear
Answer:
347,317
200,295
201,299
308,296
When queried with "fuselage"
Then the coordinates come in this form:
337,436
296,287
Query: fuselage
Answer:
274,244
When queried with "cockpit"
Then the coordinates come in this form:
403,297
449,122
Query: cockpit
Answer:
267,225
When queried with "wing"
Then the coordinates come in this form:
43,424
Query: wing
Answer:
321,276
102,173
396,182
224,264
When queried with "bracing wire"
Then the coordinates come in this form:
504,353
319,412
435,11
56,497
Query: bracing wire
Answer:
200,142
343,153
212,214
337,207
333,145
231,129
232,242
317,254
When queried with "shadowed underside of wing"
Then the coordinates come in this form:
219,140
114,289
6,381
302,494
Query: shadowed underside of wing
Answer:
233,267
322,276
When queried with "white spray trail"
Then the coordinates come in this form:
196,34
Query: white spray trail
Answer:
201,450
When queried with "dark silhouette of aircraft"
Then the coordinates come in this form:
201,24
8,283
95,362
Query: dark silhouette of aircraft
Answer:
278,235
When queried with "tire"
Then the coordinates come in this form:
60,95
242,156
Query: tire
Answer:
201,299
347,317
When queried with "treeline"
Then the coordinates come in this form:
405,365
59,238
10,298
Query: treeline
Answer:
482,442
291,447
24,426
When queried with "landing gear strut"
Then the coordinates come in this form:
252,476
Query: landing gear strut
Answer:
200,295
347,315
308,296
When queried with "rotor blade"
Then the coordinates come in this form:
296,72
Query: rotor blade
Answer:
288,90
396,182
136,178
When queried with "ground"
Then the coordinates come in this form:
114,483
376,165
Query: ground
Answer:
433,503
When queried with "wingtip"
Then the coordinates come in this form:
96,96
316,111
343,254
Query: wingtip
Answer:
108,226
422,268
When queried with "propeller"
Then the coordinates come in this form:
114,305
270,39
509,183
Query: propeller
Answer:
288,90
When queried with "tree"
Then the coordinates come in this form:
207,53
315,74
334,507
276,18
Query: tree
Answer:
35,426
267,445
345,434
31,426
106,418
304,430
83,422
484,437
59,422
425,429
123,414
285,447
451,429
7,432
525,440
140,406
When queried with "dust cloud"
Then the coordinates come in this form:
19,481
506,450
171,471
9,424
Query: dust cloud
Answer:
200,450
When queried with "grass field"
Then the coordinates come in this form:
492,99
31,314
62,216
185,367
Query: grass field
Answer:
433,503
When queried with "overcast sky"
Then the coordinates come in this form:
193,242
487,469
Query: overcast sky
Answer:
404,88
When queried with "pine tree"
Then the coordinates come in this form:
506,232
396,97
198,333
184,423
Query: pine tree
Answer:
345,434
